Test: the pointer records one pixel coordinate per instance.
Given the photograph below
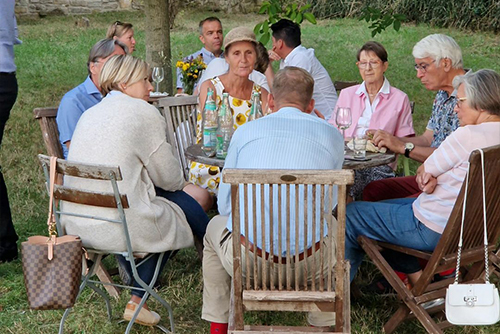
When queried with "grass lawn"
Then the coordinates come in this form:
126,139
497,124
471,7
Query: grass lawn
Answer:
52,60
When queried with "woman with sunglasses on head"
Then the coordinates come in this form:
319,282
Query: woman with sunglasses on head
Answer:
374,104
123,32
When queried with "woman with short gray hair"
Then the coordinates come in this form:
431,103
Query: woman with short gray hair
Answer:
418,223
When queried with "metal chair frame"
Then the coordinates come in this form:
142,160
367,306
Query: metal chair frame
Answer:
113,199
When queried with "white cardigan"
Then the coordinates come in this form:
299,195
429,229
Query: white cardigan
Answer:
130,133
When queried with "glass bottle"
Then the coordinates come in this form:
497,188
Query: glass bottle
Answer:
225,131
256,109
209,125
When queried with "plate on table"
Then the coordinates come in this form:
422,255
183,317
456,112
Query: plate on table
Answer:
158,94
352,158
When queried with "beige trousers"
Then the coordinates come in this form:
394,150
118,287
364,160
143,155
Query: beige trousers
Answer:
218,270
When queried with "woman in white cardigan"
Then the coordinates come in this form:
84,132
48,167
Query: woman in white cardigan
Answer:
125,130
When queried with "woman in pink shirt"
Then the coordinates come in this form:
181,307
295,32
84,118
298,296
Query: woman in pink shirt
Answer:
375,104
418,223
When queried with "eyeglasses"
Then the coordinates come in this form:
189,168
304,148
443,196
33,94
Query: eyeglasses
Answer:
117,23
460,101
364,65
423,67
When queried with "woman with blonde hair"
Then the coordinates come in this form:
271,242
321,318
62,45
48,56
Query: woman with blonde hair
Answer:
125,130
124,33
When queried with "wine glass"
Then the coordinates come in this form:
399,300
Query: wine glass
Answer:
343,120
157,76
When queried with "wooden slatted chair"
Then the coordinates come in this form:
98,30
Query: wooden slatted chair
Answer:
339,85
271,198
47,119
180,115
444,256
114,200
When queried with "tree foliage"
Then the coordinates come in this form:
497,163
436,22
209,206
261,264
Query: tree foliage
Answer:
277,10
380,20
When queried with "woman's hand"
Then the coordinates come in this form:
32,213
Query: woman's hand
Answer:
426,182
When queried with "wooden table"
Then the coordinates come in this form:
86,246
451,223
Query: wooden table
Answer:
194,153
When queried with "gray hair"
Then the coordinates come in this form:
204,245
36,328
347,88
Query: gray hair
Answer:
437,47
482,90
103,49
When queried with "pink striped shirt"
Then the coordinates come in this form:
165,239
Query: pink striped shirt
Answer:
448,163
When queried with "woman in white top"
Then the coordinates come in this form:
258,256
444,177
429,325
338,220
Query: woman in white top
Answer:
125,130
419,222
240,53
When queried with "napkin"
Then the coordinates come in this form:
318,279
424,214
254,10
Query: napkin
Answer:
370,147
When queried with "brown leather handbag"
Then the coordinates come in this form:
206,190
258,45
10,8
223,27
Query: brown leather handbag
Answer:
52,265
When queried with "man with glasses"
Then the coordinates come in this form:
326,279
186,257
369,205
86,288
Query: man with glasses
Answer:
211,37
438,60
86,95
287,48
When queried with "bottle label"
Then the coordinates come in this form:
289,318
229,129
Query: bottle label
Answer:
209,137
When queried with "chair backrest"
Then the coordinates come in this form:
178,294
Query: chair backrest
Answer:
445,253
339,85
110,174
274,198
47,119
180,115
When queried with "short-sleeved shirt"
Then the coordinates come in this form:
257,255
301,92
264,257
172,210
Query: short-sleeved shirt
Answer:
207,58
443,119
73,104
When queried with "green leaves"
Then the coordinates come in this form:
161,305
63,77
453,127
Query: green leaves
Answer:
276,10
380,21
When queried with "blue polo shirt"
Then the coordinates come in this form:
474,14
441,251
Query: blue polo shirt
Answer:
73,105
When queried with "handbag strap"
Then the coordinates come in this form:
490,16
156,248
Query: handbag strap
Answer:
51,222
460,242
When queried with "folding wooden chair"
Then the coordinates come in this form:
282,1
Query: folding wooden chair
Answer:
339,85
115,200
312,209
180,115
444,256
47,119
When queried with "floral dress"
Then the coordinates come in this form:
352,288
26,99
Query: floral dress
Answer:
207,176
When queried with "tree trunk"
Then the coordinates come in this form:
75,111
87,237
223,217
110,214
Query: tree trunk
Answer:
158,40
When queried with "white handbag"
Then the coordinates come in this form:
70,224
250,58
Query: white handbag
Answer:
473,304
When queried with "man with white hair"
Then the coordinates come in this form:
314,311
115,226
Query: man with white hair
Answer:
438,60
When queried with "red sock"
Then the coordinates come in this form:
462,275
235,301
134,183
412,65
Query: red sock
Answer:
216,328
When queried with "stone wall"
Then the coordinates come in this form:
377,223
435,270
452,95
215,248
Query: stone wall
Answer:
65,7
76,7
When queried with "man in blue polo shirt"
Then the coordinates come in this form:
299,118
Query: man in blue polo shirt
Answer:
211,37
86,95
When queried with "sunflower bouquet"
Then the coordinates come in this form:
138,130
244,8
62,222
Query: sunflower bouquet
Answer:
191,69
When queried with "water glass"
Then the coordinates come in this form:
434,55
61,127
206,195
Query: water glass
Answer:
157,76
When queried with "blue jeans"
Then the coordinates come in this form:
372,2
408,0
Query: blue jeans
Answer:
391,221
197,220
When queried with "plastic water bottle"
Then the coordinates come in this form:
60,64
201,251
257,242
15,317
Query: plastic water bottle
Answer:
209,125
225,131
256,110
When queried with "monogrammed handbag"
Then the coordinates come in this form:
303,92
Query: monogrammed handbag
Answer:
52,265
473,304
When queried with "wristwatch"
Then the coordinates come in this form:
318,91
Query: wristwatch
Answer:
408,148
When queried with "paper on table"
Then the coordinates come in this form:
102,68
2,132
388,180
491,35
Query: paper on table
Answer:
370,147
